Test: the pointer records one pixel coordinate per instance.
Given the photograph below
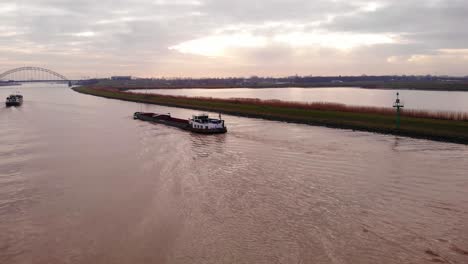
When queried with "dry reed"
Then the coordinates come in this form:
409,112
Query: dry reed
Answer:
322,106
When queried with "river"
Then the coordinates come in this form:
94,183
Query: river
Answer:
414,99
82,182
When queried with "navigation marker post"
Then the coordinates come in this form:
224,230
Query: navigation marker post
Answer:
398,105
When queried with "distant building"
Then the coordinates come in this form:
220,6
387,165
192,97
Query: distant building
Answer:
121,78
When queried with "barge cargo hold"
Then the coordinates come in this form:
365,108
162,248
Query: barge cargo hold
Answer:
198,124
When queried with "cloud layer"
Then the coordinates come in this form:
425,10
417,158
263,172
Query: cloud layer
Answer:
154,38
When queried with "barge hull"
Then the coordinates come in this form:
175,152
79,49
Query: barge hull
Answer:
8,104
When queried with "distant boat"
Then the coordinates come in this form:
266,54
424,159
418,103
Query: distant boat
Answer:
198,123
14,100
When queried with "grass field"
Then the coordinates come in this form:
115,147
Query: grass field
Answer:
452,127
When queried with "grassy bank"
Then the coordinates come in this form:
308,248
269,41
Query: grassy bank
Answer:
366,119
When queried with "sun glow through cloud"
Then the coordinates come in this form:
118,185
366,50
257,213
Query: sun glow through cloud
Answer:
219,44
85,34
216,46
7,8
371,6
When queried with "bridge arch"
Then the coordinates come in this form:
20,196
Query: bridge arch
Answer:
34,72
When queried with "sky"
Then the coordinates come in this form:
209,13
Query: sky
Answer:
235,38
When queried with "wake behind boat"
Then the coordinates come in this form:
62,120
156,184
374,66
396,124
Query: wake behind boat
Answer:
14,100
198,123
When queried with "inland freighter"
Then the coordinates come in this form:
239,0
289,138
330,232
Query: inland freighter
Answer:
14,100
198,123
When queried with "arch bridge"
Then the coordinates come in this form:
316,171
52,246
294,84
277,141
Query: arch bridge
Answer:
33,74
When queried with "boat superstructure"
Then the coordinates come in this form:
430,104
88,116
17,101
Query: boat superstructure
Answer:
198,123
14,100
201,123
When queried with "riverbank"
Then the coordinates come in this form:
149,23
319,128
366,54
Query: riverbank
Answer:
418,127
433,85
9,84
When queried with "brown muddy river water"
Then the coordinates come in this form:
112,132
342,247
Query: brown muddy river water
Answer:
82,182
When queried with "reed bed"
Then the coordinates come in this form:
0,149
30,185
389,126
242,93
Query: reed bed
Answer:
323,106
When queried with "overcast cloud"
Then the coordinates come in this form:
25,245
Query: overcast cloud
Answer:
154,38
